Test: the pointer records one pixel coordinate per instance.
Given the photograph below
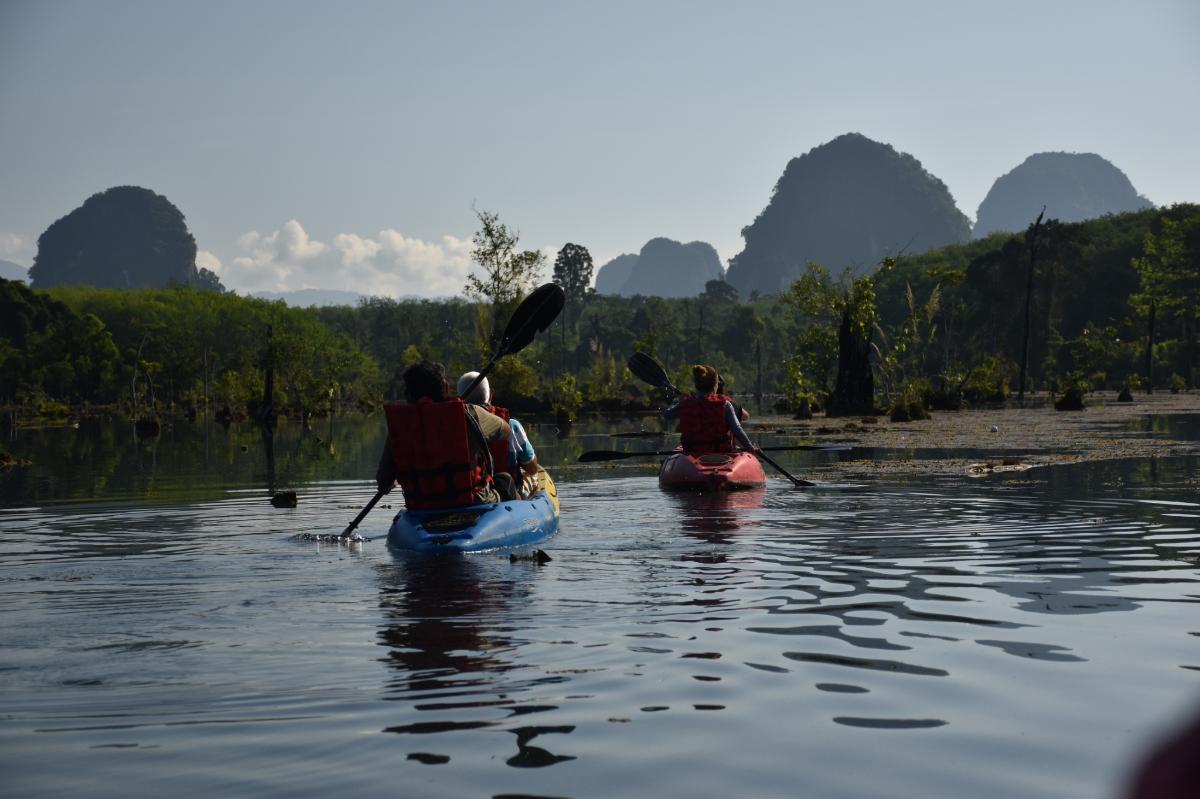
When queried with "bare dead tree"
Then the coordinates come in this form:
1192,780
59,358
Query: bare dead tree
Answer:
1033,248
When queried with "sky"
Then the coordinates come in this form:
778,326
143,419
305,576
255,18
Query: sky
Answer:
349,145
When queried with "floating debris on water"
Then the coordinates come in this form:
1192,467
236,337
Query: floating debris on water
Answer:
537,556
284,499
1006,465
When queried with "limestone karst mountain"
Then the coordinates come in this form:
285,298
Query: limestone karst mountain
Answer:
847,203
663,268
1072,186
612,275
123,237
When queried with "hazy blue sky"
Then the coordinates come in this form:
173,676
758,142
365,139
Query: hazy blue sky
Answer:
343,145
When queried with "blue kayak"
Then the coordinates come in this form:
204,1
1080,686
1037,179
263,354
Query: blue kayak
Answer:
517,523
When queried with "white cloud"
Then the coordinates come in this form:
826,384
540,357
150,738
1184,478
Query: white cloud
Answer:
14,245
355,249
390,263
206,260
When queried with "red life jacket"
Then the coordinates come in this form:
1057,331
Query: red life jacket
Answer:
702,427
501,460
436,465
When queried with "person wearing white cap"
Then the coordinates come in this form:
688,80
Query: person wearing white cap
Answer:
520,460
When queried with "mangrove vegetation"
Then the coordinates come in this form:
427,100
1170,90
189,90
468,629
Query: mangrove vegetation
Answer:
1111,304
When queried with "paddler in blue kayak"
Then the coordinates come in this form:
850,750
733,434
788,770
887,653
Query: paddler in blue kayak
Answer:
438,446
707,420
517,458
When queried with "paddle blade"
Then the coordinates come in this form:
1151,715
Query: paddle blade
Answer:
651,371
533,315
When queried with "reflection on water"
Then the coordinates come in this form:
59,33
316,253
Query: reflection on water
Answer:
450,659
716,517
990,638
203,459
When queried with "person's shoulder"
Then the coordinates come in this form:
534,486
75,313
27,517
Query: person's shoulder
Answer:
480,412
490,421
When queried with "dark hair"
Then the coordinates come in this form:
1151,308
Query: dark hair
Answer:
720,384
425,379
704,378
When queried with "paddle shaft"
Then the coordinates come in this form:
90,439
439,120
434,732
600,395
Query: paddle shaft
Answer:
797,481
362,514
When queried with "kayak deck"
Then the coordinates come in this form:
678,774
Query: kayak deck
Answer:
717,471
475,528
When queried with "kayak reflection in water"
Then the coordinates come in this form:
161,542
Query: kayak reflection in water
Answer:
440,644
708,421
437,447
715,517
516,458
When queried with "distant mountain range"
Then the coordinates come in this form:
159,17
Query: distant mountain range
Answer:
847,203
11,271
852,201
1072,186
612,276
663,268
308,298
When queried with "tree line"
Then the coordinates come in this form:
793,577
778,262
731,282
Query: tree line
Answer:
1112,304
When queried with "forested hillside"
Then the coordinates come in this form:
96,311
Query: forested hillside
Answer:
951,318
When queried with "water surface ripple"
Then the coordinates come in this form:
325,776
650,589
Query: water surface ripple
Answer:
940,638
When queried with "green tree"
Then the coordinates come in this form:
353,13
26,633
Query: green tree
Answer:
573,271
854,389
810,364
1169,283
719,291
507,275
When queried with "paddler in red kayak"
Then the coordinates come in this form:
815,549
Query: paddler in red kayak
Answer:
707,420
438,446
516,457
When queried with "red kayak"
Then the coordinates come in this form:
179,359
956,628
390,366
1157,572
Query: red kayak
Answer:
716,471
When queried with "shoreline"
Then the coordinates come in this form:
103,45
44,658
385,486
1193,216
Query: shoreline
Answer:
983,441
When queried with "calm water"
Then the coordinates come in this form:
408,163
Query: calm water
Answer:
162,633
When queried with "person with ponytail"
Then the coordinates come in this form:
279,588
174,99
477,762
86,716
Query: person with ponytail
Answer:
707,420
